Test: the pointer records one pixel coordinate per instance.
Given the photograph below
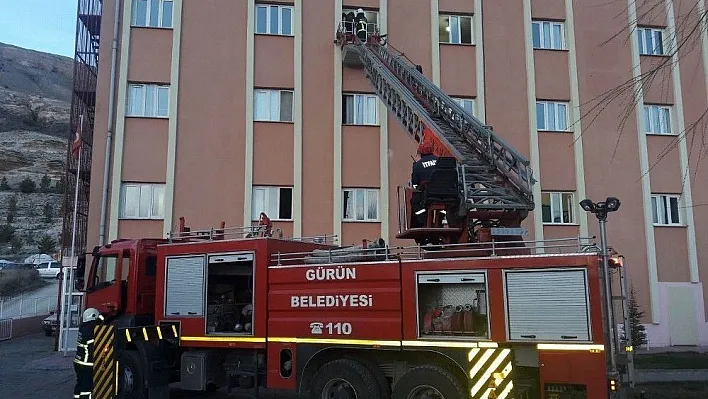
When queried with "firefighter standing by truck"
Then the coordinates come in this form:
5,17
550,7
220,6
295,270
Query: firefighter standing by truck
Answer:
83,362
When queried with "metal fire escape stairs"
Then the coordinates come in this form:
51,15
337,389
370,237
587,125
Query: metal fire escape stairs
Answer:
496,179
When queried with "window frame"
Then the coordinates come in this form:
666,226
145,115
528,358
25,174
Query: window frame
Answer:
663,111
541,36
665,203
270,93
255,214
366,191
572,210
280,8
459,17
160,15
152,188
365,97
547,104
641,40
461,100
143,107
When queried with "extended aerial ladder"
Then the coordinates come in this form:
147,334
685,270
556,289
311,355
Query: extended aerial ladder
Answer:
495,180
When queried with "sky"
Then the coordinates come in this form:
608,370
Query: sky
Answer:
43,25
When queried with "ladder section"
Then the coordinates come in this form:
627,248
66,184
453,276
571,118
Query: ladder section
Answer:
495,176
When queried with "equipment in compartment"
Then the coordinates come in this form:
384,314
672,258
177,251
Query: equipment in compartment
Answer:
452,305
230,295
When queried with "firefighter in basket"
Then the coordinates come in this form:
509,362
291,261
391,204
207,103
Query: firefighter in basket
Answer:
83,362
422,171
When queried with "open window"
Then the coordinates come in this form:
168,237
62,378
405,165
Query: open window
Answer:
230,294
452,304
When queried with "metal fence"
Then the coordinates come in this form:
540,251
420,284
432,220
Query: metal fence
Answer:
21,306
5,329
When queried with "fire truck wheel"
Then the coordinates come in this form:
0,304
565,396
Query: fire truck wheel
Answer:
344,379
131,381
428,382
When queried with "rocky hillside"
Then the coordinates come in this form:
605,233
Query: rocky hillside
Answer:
35,98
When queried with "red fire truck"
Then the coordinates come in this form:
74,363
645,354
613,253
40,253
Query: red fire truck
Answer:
470,311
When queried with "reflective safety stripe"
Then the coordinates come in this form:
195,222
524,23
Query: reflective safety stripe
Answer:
90,341
77,361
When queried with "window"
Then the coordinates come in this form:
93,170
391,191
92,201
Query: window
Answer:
657,119
372,17
276,202
558,207
273,105
651,41
551,116
665,209
455,29
142,201
360,109
466,103
152,13
548,35
148,100
274,20
361,205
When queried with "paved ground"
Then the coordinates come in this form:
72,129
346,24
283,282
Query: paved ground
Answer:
30,369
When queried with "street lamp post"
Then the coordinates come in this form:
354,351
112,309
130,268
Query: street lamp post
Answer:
601,209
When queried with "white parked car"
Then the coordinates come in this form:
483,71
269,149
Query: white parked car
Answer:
49,269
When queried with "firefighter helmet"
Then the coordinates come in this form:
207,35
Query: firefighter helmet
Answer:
90,314
425,148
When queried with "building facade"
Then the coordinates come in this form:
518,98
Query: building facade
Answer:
226,108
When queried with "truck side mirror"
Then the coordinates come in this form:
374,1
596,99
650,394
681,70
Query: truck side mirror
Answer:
80,272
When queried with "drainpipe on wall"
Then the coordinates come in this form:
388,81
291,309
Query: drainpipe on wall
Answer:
111,116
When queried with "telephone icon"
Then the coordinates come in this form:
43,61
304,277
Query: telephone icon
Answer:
316,327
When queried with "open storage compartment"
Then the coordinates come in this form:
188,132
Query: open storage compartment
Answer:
453,304
230,296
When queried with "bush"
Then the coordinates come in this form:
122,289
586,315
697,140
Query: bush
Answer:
46,244
45,184
3,184
7,233
28,186
14,282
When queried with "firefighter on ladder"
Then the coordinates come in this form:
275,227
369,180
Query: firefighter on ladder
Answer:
83,362
361,25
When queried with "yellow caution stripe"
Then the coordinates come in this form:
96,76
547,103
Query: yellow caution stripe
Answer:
490,373
335,341
150,333
104,370
343,341
570,347
186,338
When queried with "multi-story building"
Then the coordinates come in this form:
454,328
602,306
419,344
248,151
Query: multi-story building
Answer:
227,108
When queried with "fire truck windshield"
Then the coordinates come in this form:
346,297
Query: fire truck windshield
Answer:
104,270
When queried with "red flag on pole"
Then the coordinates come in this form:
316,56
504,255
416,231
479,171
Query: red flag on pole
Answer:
77,139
